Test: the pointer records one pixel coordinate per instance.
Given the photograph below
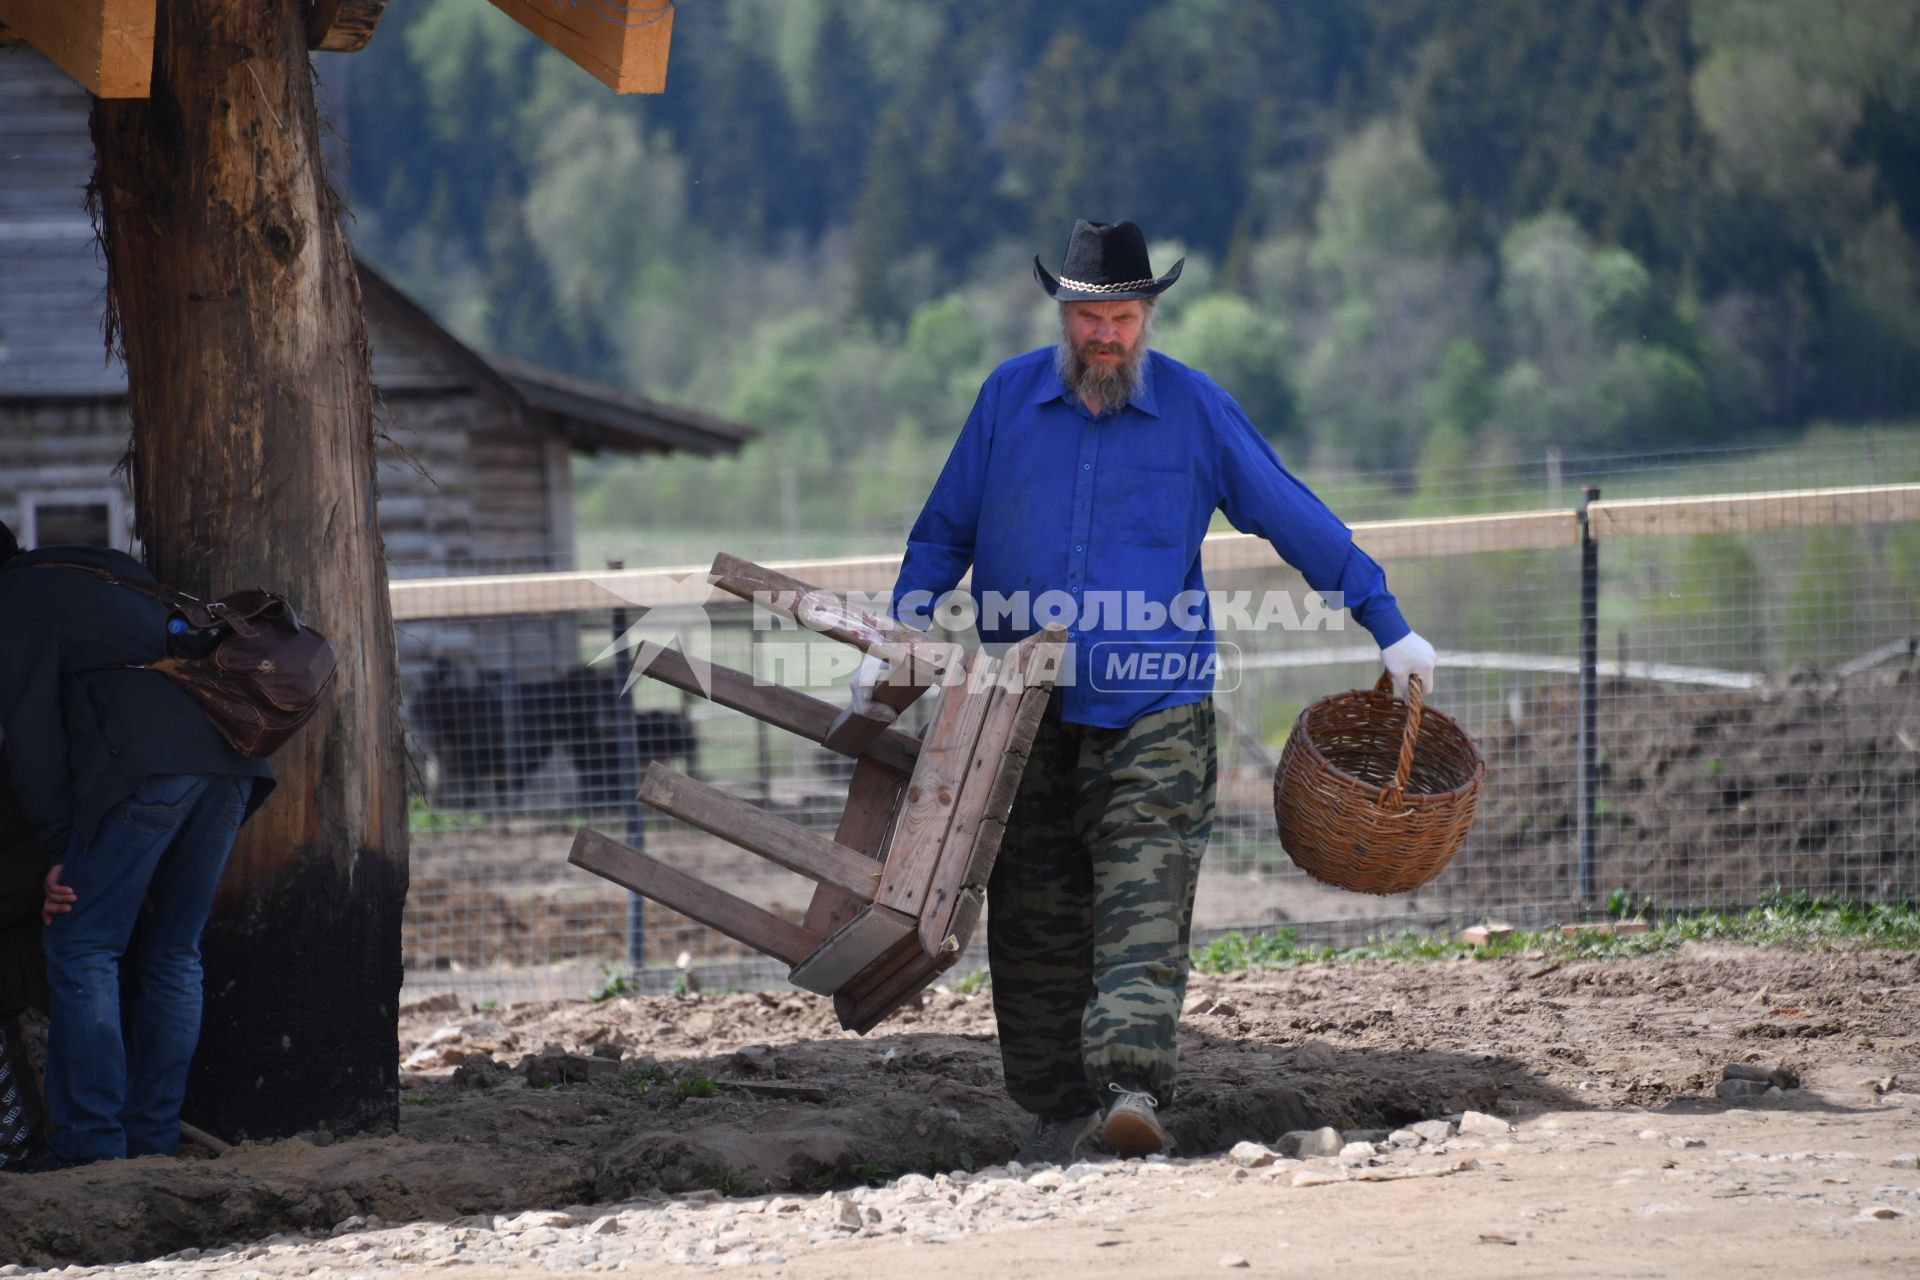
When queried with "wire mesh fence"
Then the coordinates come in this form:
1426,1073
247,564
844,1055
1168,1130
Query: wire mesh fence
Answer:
1750,692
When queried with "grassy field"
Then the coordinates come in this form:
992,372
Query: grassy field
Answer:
1820,457
1798,921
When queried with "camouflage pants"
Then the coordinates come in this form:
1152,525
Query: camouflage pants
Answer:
1090,907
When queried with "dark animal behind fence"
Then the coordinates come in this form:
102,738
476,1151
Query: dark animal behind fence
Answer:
490,734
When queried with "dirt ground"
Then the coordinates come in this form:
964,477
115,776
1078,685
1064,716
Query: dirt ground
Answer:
797,1105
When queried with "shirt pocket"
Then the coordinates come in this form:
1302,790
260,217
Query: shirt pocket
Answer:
1147,506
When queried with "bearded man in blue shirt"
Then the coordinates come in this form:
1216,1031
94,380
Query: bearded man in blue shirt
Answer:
1079,491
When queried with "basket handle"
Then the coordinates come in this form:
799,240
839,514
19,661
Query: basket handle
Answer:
1394,796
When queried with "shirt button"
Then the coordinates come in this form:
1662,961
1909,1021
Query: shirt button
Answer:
1086,466
1078,547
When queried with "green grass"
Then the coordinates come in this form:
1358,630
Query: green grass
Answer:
872,1173
722,1178
694,1087
613,984
425,1098
974,983
640,1079
1795,921
1819,455
423,819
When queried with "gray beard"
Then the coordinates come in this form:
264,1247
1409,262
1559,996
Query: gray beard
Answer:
1102,388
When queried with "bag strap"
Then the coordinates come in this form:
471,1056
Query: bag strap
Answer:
165,595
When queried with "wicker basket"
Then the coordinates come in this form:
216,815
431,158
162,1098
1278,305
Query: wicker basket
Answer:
1376,794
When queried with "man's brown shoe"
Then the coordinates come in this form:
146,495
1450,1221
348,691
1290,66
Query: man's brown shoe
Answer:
1132,1128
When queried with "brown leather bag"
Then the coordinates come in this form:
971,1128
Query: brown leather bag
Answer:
257,671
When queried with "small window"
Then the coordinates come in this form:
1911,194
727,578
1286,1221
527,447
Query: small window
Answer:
73,524
75,518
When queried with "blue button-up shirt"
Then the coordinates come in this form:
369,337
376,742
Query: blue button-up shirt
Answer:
1095,520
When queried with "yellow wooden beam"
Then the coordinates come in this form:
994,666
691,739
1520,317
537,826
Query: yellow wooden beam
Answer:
342,26
623,43
106,45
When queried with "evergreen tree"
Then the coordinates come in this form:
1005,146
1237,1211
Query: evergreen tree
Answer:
884,223
744,154
840,121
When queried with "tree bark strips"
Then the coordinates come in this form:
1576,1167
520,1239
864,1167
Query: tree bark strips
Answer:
233,296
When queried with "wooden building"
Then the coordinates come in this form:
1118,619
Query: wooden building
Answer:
475,471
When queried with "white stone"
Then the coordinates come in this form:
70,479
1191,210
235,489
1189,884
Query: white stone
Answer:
1684,1144
1356,1153
1251,1155
606,1225
1316,1177
1311,1142
1403,1138
1478,1122
1906,1160
1048,1180
1232,1260
838,1212
1433,1130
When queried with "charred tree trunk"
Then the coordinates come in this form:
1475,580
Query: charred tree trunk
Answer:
233,295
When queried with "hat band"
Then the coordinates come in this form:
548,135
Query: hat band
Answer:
1082,286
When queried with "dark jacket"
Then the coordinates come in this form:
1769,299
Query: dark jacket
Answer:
81,730
23,865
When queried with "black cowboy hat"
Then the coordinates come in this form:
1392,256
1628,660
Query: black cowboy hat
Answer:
1105,262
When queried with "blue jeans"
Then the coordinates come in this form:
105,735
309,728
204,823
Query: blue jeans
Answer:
112,1094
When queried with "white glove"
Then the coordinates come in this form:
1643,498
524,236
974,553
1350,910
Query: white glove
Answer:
872,670
1409,656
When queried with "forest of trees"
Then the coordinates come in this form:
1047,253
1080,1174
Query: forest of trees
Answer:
1416,230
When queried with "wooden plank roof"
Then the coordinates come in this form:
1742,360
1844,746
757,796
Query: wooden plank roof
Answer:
596,417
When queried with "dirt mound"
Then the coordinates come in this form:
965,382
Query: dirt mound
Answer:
553,1105
1705,798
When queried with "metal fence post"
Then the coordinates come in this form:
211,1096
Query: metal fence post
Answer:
1589,745
636,815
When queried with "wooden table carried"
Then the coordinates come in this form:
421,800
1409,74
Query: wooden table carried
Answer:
902,881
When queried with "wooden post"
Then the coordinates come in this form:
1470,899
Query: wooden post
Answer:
233,294
1586,784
